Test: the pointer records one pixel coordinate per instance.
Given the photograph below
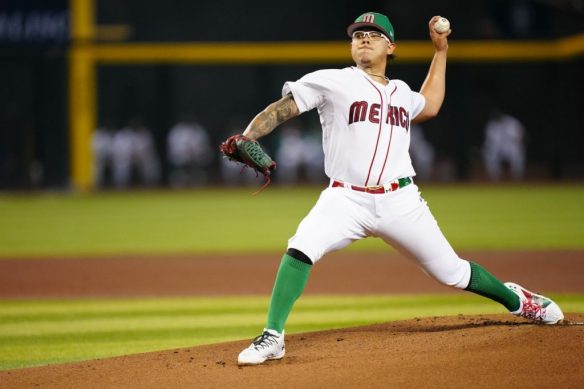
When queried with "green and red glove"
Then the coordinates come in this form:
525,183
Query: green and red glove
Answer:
239,148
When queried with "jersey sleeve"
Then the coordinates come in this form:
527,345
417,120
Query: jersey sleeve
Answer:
418,103
311,90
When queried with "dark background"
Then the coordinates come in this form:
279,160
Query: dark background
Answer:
545,95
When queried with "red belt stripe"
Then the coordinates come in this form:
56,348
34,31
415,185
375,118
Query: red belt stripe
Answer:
368,189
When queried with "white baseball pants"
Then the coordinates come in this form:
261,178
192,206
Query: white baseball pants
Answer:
401,218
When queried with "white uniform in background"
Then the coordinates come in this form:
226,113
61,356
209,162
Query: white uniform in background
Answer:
189,153
504,144
146,156
133,148
298,151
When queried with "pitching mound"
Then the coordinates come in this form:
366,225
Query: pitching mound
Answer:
462,351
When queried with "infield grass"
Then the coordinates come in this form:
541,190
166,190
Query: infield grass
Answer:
212,220
36,333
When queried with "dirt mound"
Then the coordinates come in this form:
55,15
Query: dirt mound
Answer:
460,351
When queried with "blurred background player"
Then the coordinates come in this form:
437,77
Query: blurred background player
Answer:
134,153
300,156
504,144
189,153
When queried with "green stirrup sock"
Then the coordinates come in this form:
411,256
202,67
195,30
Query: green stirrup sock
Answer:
485,284
289,285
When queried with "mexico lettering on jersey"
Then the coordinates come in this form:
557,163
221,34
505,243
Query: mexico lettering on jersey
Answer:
365,124
398,116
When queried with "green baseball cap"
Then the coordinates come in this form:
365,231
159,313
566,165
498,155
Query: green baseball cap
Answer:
373,20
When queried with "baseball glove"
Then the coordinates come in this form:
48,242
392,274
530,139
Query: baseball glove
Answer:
240,148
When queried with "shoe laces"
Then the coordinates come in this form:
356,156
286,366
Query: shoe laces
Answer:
265,340
532,309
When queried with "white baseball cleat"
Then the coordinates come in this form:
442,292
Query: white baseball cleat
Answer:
269,345
536,307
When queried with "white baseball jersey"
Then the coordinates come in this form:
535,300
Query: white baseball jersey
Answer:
366,137
365,123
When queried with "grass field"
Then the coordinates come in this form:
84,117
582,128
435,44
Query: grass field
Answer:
43,332
46,331
472,217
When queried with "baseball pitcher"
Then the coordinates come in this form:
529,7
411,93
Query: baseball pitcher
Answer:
366,119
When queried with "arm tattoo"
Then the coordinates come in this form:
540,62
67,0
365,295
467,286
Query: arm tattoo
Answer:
271,117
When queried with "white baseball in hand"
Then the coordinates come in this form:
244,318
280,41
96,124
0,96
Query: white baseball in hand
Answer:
442,25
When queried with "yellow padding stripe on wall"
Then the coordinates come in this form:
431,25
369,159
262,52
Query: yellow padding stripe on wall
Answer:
328,52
